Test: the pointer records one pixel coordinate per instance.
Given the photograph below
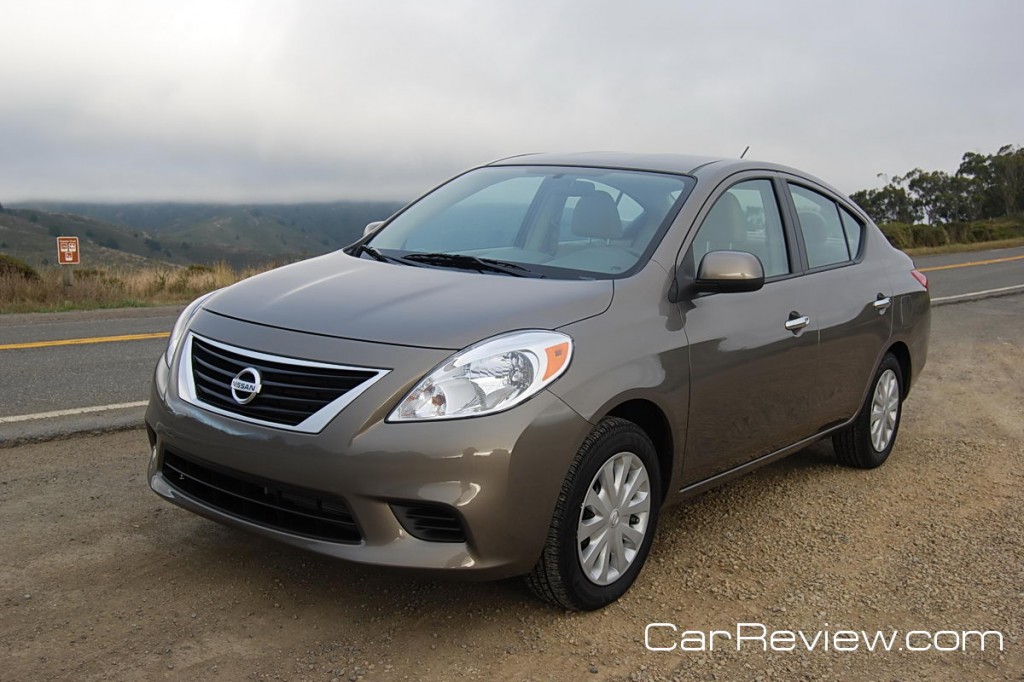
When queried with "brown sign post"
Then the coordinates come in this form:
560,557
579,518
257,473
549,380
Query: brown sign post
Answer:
68,253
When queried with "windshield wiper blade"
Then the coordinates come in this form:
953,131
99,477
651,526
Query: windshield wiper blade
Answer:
461,260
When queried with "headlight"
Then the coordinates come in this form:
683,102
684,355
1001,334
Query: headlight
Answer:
488,377
179,327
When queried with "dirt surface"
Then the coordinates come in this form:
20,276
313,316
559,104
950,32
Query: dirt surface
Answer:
99,579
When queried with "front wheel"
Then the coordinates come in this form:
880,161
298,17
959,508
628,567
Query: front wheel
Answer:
867,442
604,520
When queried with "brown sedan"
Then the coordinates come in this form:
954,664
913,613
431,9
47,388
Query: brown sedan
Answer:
517,372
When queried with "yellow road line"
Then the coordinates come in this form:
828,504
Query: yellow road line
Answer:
971,264
81,342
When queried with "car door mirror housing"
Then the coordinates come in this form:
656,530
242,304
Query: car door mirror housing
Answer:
372,227
729,272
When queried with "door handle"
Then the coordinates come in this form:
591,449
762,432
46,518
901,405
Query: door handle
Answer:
796,323
882,304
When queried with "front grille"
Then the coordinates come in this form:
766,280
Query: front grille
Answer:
294,510
290,392
432,522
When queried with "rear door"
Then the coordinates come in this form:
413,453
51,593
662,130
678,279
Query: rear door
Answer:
752,354
852,298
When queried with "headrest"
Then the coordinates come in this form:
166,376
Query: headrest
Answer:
729,223
814,228
597,217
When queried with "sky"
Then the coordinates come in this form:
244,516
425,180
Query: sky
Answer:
278,101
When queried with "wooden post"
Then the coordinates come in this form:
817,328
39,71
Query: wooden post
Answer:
69,276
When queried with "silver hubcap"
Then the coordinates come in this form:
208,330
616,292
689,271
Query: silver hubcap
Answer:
885,406
613,520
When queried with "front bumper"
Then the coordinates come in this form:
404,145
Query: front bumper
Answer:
500,474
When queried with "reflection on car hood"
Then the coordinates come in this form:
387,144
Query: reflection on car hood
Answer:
339,295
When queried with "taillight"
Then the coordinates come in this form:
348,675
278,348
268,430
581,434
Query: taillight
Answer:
920,277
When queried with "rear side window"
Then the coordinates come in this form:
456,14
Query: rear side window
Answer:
821,227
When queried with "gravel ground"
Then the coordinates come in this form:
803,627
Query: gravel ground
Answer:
99,579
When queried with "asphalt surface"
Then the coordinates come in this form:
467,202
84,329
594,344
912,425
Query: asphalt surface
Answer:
959,280
58,378
40,380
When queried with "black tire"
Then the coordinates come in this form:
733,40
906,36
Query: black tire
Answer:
853,445
559,577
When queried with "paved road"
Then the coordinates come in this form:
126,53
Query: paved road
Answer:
50,378
946,280
44,379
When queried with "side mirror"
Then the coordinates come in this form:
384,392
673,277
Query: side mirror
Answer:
372,227
729,272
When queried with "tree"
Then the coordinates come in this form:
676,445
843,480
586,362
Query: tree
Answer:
943,198
890,204
984,186
998,178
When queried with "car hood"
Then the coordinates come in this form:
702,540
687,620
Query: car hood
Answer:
343,296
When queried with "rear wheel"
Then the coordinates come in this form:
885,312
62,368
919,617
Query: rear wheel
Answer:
867,442
604,520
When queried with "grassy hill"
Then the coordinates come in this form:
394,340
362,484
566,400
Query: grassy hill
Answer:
31,237
175,233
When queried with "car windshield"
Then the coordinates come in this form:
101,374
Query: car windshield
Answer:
546,221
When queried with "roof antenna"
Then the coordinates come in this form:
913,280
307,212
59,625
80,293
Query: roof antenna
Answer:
745,151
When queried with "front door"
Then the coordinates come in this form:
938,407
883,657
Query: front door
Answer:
753,355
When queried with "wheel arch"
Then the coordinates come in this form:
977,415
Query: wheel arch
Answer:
902,354
654,422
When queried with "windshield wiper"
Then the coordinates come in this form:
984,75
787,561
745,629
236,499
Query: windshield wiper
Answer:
375,254
466,262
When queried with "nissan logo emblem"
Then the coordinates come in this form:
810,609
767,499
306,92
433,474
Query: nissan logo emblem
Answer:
246,385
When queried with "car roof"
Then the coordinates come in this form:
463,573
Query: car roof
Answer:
704,167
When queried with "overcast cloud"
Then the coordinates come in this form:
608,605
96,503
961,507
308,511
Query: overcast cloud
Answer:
280,101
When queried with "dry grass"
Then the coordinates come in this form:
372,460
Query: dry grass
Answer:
115,288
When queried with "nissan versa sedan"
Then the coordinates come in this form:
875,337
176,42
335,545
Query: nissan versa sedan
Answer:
517,372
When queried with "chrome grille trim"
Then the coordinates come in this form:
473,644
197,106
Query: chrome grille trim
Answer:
312,424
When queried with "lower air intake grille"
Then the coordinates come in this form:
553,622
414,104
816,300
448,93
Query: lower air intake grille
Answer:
431,522
293,510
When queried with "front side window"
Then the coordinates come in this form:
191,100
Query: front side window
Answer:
821,227
552,221
745,218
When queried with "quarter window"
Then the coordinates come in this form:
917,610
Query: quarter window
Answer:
821,226
853,231
746,218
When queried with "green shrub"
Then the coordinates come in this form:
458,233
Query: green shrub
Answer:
930,235
11,266
899,235
960,233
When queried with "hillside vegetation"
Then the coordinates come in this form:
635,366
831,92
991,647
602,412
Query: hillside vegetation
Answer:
149,235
